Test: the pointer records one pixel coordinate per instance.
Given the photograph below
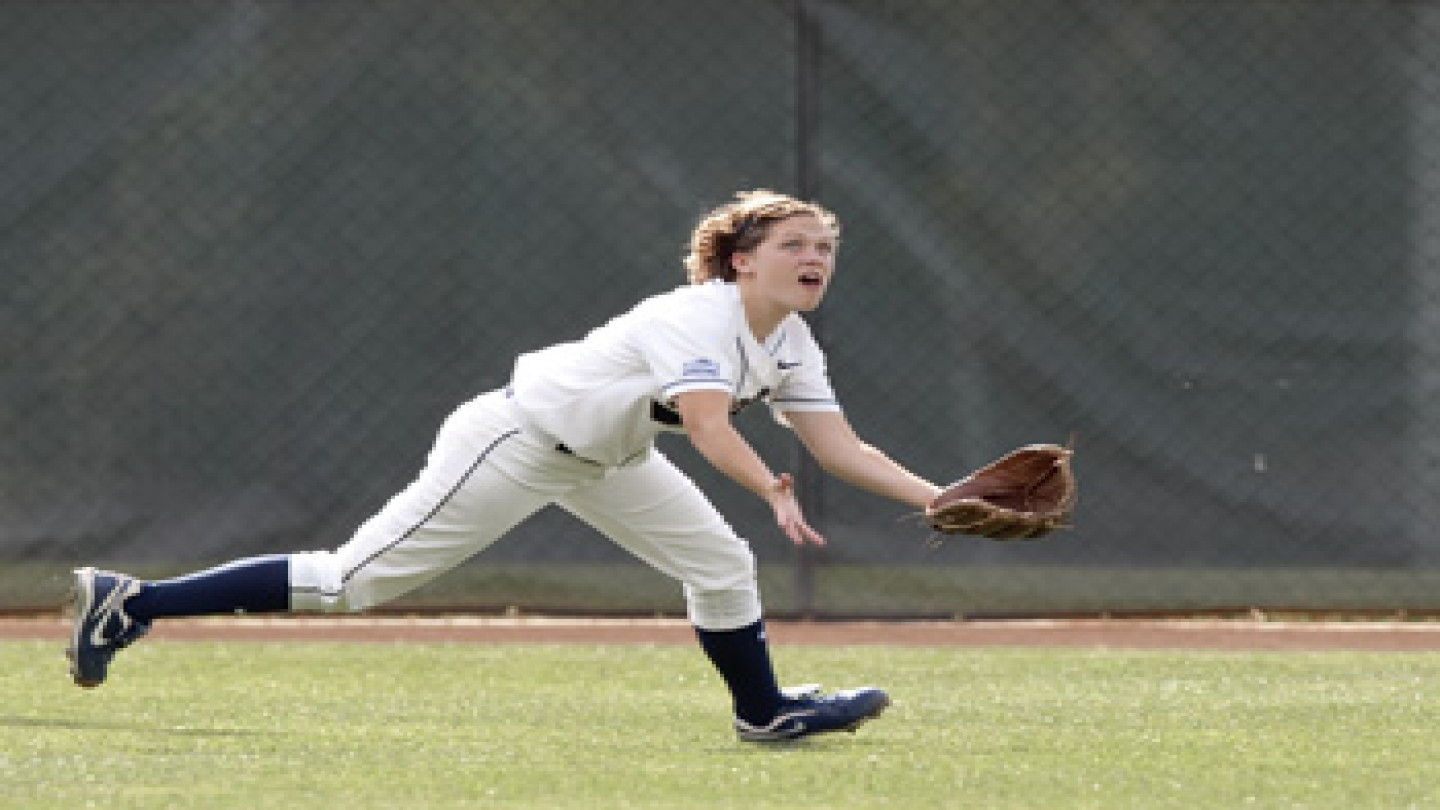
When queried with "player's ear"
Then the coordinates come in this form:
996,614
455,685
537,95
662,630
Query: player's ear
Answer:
740,263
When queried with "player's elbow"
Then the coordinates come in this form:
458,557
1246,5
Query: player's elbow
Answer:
709,432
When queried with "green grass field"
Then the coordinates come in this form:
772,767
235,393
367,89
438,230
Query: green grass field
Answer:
244,725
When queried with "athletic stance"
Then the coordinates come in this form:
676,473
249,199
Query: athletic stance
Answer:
576,427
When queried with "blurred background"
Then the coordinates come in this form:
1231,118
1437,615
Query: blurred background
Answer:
252,252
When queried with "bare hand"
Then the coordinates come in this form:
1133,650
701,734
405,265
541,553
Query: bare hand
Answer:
788,514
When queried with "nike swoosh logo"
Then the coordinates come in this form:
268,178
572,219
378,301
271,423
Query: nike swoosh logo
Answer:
109,608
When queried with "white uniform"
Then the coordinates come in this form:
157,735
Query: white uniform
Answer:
576,428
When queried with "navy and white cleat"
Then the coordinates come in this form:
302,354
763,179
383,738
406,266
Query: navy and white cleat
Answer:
102,626
805,711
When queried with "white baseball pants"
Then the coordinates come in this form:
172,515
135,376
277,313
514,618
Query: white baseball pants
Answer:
486,473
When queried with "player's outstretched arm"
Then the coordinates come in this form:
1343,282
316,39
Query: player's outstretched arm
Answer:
706,416
828,436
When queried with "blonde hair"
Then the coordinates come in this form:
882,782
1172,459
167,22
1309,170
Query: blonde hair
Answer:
739,226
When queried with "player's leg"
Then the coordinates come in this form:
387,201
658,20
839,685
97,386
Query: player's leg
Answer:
460,503
486,475
675,529
657,513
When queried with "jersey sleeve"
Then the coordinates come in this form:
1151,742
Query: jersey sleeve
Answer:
806,382
687,348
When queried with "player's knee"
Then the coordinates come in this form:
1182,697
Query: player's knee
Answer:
723,609
317,583
722,594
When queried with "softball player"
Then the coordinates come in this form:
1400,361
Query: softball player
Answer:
576,428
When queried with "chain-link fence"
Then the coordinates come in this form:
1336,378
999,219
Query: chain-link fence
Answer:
252,252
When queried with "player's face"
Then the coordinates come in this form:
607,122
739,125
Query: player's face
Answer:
792,267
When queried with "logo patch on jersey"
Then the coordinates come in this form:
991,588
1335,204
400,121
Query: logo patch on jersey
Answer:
701,368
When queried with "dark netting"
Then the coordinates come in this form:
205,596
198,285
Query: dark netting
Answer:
251,254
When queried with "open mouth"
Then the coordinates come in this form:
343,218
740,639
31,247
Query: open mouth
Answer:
812,280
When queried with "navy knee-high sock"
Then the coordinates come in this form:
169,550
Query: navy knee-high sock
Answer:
253,585
743,660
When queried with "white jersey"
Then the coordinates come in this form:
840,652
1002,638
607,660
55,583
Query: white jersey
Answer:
606,397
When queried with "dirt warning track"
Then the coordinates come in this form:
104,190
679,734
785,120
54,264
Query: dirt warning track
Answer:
1093,633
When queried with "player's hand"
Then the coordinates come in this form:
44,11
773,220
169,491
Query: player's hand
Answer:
788,515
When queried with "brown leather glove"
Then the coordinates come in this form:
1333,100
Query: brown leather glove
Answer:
1023,495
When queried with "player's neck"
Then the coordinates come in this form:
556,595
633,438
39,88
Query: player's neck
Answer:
762,316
